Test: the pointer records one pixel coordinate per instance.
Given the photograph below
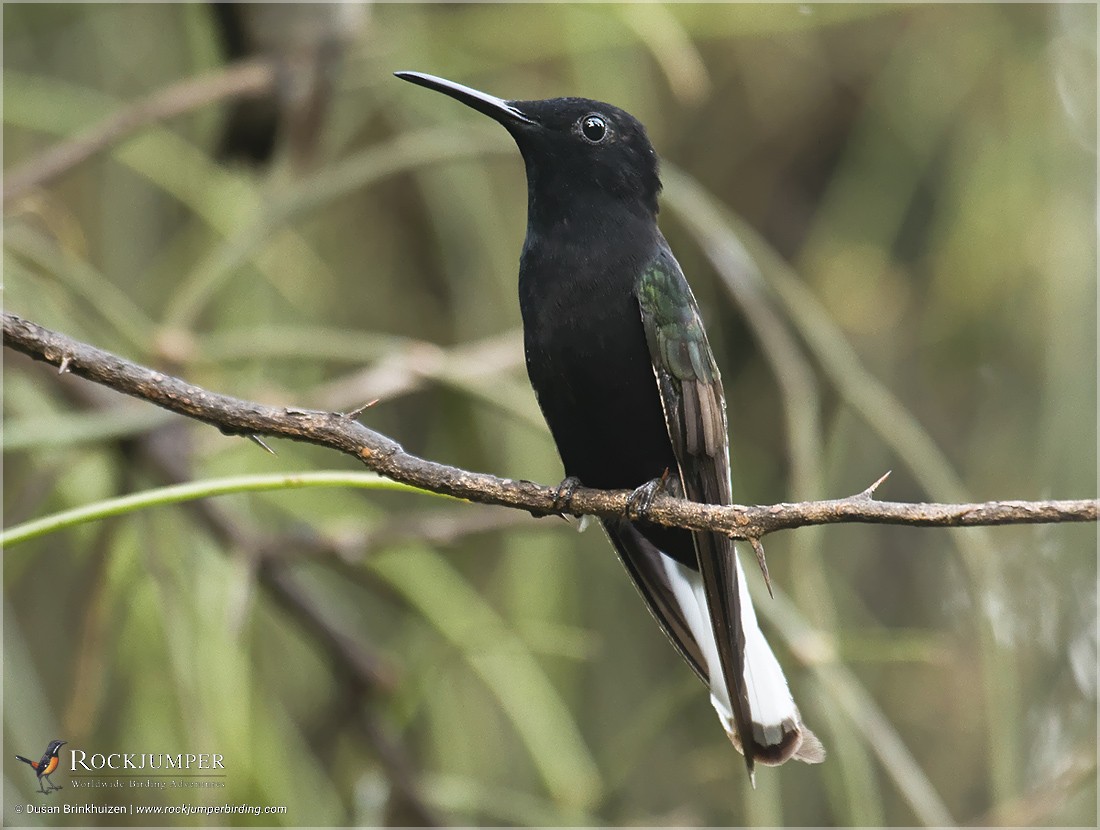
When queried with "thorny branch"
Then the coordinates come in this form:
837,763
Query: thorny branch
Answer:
365,673
386,457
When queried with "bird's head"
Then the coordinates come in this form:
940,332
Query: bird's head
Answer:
54,747
573,148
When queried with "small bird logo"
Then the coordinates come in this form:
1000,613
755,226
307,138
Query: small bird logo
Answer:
46,767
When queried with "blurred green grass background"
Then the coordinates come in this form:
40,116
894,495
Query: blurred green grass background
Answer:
916,186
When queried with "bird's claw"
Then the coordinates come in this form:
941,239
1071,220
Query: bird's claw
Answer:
563,498
641,500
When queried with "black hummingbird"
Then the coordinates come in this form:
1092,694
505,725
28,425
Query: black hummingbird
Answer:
45,767
624,374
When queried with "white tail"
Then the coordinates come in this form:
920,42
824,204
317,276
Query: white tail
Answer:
775,716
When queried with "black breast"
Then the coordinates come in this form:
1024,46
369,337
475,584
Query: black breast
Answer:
589,365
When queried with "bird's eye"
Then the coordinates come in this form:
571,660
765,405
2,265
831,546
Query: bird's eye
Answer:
593,128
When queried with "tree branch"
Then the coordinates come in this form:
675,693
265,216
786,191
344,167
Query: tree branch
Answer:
386,457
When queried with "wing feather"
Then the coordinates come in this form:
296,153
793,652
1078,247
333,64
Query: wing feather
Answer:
747,684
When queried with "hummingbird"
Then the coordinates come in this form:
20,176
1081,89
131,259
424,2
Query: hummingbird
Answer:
619,360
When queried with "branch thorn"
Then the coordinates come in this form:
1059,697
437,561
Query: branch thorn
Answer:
64,367
758,549
255,439
869,493
355,413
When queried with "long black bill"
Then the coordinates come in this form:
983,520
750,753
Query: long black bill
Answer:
496,108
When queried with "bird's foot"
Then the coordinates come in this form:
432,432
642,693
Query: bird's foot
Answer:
641,500
563,498
562,503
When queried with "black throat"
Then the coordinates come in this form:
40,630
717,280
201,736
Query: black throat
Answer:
559,195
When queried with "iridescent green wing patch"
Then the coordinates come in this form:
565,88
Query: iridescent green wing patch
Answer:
684,367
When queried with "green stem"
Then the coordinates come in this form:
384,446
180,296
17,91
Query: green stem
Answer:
191,491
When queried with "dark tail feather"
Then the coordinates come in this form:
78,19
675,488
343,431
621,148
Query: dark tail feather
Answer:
27,761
